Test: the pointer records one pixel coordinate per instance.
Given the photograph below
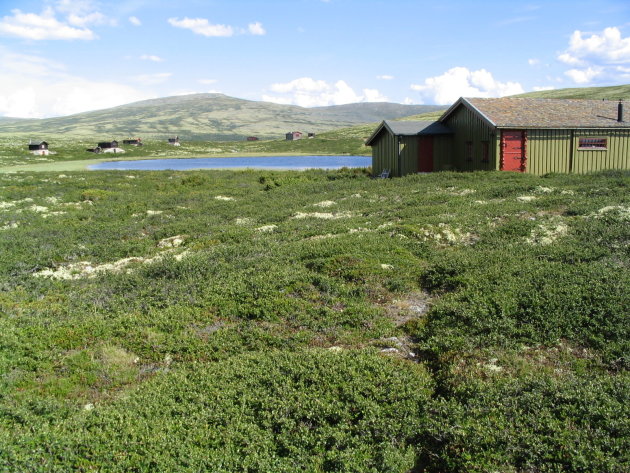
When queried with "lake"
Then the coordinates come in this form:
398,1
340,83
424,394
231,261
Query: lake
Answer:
295,163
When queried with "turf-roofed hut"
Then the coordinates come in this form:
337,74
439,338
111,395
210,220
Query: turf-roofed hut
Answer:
407,147
537,136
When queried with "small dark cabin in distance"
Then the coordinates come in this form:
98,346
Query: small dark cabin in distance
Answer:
37,145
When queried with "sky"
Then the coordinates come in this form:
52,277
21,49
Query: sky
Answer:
60,57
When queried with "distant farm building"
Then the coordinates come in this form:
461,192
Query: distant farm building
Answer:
133,142
106,147
294,135
536,136
174,141
252,138
39,148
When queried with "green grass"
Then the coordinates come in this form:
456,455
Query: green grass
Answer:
314,321
615,92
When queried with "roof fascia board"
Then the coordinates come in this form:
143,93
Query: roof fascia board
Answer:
376,133
471,107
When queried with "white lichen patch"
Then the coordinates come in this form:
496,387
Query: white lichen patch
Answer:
544,190
567,192
53,214
387,266
155,212
526,198
454,191
224,198
6,205
172,242
360,230
38,209
547,233
322,237
88,270
325,203
323,215
446,234
10,226
622,212
244,221
52,200
267,228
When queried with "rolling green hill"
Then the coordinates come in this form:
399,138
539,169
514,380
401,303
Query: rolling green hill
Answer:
615,92
210,117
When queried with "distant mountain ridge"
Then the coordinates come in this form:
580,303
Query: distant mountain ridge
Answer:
210,117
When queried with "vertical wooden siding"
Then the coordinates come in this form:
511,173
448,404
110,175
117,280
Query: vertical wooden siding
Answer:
616,156
469,127
548,151
557,151
385,154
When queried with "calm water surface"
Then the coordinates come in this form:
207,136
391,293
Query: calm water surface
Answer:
296,163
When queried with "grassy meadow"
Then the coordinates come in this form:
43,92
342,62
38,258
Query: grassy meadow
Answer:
317,321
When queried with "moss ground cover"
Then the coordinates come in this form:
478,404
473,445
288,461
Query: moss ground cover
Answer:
314,321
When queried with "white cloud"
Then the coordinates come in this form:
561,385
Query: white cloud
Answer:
202,26
76,15
152,79
41,27
583,76
151,57
596,56
308,92
256,29
207,81
462,82
135,21
533,62
385,77
373,95
34,87
607,48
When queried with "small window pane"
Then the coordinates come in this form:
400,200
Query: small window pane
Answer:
592,143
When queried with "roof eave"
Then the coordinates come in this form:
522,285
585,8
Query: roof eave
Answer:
378,130
463,101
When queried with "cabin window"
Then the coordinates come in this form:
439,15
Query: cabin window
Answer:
593,143
469,151
485,151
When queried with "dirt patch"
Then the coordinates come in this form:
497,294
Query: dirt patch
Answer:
409,307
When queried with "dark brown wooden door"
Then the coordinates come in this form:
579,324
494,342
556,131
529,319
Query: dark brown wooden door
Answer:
513,150
425,154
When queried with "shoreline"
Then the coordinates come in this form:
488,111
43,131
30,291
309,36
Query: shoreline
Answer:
83,164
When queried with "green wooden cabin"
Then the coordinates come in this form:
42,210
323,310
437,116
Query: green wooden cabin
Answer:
408,147
524,135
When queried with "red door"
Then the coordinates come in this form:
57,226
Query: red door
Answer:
513,150
425,154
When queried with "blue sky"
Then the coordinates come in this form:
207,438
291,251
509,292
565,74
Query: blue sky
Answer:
59,57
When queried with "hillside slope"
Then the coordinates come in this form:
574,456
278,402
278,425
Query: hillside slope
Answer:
210,117
615,92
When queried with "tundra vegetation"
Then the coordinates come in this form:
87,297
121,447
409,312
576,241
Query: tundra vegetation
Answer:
314,321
